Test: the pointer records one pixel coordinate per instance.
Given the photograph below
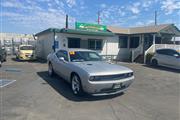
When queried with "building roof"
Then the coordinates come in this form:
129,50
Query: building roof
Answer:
145,29
76,31
148,29
118,30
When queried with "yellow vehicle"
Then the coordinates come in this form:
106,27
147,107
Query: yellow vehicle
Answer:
26,52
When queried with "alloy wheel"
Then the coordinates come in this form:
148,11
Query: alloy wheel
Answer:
75,85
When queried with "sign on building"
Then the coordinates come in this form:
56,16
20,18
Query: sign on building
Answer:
91,27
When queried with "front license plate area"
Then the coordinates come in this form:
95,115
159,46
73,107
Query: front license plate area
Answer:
117,86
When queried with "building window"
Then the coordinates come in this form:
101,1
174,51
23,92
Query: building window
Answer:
123,41
74,42
134,42
95,44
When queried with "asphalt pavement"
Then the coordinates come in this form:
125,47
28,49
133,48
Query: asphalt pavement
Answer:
154,95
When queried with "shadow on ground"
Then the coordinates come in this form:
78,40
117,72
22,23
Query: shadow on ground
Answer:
64,89
163,68
29,61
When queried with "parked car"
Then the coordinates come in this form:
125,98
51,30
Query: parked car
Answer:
87,73
3,55
26,52
8,50
166,57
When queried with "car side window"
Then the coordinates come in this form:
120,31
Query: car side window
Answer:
62,53
163,52
170,52
167,52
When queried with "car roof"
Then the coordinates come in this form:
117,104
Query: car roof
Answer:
77,49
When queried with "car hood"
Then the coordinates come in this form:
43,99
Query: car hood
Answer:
102,68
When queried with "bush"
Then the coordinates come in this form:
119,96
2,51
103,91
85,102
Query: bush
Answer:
148,57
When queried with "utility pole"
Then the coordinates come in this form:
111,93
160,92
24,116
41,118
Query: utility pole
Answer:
67,22
98,17
155,17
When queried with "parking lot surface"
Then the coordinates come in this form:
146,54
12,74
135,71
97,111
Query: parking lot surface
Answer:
154,95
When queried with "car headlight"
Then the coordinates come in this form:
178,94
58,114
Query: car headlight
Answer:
95,78
92,78
21,54
130,74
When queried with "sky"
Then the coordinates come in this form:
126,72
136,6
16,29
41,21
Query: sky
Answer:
33,16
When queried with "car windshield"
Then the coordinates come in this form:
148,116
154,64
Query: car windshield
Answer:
80,56
26,48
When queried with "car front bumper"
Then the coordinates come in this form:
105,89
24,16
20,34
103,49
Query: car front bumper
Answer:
107,87
25,57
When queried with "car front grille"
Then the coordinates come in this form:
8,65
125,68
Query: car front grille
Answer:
112,77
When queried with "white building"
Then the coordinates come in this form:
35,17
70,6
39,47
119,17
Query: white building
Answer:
125,44
72,38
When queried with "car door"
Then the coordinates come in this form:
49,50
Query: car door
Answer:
173,58
62,66
160,56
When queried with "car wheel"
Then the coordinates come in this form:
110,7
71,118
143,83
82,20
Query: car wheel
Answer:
154,62
0,63
50,70
76,85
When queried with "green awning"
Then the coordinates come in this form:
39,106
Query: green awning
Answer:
86,32
78,32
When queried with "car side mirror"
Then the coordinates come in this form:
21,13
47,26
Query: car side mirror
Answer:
62,59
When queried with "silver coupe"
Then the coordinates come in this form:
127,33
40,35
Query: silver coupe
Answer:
87,72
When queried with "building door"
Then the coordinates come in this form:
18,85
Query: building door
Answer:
74,42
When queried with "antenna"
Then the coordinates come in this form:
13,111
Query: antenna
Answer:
155,17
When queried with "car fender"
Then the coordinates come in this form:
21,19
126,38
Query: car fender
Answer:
84,76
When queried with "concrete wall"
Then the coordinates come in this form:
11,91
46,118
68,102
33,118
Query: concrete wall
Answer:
44,45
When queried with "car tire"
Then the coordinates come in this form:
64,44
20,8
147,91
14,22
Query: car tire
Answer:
50,70
76,85
0,64
154,62
5,59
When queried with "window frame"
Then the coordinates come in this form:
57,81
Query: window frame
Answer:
120,41
75,39
95,44
130,42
